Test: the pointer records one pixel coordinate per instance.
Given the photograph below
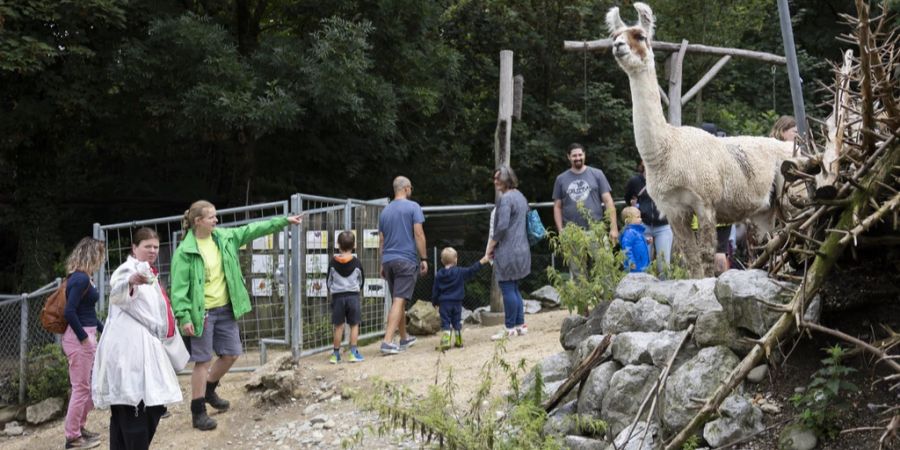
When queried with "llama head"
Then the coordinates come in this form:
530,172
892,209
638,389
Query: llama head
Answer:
631,45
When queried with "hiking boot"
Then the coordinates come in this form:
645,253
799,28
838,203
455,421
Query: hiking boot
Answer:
389,348
407,343
335,357
213,399
89,435
445,342
199,418
458,343
82,442
354,356
522,330
504,334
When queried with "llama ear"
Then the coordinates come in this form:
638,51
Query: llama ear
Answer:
613,21
645,18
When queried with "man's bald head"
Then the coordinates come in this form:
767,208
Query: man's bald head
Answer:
401,183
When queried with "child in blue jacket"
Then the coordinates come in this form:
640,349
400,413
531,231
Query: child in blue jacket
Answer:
448,292
637,253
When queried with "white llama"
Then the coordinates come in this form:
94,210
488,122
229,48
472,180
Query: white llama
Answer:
688,170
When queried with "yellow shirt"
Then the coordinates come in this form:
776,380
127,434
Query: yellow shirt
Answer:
214,289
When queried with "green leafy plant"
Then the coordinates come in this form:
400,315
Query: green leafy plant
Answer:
691,443
670,271
819,405
587,425
47,373
589,252
486,421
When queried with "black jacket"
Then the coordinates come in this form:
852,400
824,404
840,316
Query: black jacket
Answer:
637,188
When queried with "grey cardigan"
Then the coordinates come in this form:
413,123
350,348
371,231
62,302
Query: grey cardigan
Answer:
512,255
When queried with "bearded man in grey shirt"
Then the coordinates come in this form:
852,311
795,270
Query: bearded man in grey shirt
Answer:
586,185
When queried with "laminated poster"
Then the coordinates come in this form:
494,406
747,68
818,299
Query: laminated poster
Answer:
262,243
317,263
370,238
261,264
261,287
373,287
316,287
317,239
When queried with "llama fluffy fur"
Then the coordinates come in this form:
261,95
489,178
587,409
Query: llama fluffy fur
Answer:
688,170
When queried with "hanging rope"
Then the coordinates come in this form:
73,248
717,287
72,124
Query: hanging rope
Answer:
773,70
585,81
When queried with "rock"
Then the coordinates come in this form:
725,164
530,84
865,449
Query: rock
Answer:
9,413
587,346
321,418
532,306
713,328
797,437
590,401
553,368
558,422
423,319
627,388
583,443
651,441
591,326
310,409
262,376
666,291
688,305
639,347
475,317
758,374
650,315
569,324
697,378
633,285
41,412
813,310
13,429
464,316
738,420
548,296
619,317
740,293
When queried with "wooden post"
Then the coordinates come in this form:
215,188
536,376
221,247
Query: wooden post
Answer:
502,137
675,85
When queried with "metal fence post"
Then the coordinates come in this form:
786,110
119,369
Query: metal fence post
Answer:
100,275
23,346
295,284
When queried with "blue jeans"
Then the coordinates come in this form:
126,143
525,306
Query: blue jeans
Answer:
513,306
662,243
451,315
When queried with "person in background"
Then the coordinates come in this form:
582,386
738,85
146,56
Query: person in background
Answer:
633,242
209,296
79,342
586,185
657,227
448,293
784,129
510,250
132,374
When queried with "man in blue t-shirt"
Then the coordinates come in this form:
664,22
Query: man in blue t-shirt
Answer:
585,185
403,258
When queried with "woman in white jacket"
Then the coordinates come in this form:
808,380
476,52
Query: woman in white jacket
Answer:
132,372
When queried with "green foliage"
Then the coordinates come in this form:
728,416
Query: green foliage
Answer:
47,373
691,443
671,271
487,421
587,425
819,406
590,252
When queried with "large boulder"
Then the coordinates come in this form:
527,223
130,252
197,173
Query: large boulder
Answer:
639,437
627,388
639,347
688,305
569,324
587,346
276,382
742,293
590,400
559,422
666,291
650,315
10,413
738,419
713,328
553,368
619,317
46,410
697,378
583,443
581,330
423,319
633,285
532,306
548,296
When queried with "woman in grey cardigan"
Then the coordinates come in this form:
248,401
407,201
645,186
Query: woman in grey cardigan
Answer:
510,250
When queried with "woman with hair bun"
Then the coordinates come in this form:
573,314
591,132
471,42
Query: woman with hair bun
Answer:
208,297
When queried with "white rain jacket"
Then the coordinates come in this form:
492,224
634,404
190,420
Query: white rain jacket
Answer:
131,364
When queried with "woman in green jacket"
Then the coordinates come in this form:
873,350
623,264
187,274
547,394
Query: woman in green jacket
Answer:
208,296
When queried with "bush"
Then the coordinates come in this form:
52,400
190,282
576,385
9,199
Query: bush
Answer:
819,406
47,373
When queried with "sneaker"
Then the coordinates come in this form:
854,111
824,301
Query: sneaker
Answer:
407,343
504,333
82,442
459,342
445,342
354,356
522,330
89,435
335,358
389,349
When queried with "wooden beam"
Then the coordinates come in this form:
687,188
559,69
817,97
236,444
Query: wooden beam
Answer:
669,47
675,85
710,74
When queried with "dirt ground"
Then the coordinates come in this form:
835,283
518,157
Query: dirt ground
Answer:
249,426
